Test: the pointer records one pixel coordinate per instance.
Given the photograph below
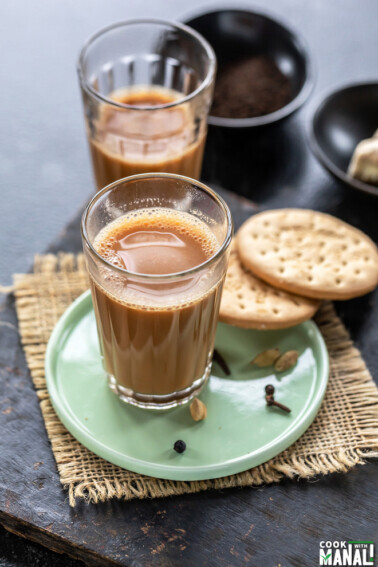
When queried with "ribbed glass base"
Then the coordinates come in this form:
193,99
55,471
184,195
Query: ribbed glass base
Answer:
155,402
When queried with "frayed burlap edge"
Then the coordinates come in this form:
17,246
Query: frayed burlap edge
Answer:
95,480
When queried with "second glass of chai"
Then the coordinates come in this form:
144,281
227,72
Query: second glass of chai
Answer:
157,248
147,88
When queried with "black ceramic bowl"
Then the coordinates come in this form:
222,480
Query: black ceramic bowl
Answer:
235,34
341,121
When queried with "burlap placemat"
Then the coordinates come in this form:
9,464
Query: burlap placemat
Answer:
343,434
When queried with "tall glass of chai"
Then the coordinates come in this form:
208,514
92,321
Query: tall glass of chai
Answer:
147,87
156,247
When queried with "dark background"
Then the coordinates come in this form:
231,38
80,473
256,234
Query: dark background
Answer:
46,178
44,167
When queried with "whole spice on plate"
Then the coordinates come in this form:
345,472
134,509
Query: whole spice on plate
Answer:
198,410
266,358
218,358
250,87
179,446
286,361
270,401
269,390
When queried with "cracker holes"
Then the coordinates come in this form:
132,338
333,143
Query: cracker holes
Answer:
310,278
321,259
276,311
337,281
366,258
242,306
344,247
262,252
281,270
275,249
357,272
356,241
255,236
344,262
239,296
266,223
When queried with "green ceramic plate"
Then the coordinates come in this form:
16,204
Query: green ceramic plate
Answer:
239,432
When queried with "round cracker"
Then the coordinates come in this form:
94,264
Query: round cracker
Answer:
309,253
250,303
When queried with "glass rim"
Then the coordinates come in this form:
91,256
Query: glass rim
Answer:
182,27
159,277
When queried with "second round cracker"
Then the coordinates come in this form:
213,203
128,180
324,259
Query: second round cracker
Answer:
250,303
309,253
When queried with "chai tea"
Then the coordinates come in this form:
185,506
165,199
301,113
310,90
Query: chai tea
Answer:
157,340
147,136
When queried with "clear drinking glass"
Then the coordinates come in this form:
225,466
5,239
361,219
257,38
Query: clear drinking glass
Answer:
147,88
156,331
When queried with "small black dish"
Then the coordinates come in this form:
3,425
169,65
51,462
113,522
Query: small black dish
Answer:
238,33
341,121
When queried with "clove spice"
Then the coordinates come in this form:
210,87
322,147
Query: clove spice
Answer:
270,401
218,358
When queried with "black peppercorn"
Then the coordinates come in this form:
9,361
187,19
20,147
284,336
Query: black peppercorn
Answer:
179,446
269,390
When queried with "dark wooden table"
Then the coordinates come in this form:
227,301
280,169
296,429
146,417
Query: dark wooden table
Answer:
45,178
